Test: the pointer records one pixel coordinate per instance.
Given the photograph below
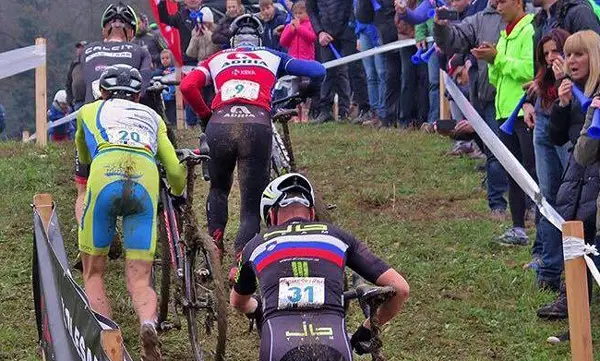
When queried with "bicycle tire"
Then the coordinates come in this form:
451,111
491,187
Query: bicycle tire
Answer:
190,311
165,257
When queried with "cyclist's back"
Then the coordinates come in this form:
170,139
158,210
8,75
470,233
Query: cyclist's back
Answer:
240,129
300,269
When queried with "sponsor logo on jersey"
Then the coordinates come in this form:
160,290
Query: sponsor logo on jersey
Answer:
262,59
308,329
237,72
239,111
124,54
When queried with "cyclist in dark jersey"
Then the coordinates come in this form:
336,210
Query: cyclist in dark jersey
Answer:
240,129
299,265
119,24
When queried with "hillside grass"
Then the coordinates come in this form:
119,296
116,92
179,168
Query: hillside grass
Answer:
425,213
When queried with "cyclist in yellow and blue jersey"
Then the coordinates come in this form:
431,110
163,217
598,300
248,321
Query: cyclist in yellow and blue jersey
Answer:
121,139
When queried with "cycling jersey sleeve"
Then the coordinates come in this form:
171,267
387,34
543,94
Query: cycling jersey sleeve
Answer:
191,89
83,153
361,260
176,172
292,66
245,279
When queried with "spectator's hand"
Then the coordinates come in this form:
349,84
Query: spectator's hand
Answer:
325,38
421,45
564,93
439,21
485,51
295,23
557,68
595,103
532,88
529,115
357,45
400,6
278,30
464,127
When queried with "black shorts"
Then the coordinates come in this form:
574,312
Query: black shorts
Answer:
315,336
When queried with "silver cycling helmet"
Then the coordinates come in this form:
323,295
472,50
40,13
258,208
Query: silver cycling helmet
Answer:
283,191
121,78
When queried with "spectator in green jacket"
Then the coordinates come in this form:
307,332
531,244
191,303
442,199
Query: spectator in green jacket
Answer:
510,66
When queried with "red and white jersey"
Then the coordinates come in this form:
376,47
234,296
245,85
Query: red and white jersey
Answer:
244,75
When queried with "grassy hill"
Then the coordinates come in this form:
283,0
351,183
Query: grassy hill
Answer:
424,212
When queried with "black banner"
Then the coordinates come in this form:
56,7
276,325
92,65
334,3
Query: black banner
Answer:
68,329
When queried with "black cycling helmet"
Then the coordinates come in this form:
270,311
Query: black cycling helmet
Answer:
122,12
246,30
121,79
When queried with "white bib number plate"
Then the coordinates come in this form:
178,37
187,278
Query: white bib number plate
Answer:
132,137
301,292
240,89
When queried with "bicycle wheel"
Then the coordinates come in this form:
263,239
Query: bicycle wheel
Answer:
205,289
167,222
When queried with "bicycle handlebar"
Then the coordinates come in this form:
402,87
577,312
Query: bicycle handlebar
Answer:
370,294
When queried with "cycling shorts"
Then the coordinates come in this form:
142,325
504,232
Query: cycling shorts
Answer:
316,336
123,182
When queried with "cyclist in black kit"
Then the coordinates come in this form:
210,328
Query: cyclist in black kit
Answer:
299,265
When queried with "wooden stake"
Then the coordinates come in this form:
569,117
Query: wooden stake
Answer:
40,97
179,101
444,105
580,332
43,205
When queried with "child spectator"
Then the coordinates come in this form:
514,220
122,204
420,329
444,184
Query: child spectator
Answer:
299,38
59,109
166,67
274,21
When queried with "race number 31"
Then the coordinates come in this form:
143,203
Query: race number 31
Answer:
301,292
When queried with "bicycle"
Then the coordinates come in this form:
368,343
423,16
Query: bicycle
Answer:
370,298
282,155
194,260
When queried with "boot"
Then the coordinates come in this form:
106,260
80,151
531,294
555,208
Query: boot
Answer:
556,310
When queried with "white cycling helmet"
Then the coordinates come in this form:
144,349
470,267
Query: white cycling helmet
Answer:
60,96
277,194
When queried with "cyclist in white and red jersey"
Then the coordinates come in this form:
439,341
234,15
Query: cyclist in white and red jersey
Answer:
239,130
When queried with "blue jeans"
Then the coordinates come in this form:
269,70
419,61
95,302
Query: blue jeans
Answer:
497,183
191,118
376,73
550,163
433,68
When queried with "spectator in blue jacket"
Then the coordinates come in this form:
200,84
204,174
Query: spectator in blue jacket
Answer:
273,21
59,109
168,95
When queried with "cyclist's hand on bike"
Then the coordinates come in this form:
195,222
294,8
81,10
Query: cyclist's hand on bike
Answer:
361,340
178,201
191,155
257,315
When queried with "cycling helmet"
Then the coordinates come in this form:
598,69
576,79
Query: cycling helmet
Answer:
120,11
283,191
122,79
246,30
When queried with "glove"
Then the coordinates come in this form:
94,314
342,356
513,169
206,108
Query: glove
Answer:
361,336
257,315
178,201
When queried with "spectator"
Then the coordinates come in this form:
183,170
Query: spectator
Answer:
273,21
422,31
201,45
483,27
408,76
368,38
576,197
2,118
75,85
329,19
550,160
145,38
167,67
222,35
509,68
299,38
59,109
571,15
185,20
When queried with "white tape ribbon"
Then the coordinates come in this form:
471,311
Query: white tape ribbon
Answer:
572,247
19,60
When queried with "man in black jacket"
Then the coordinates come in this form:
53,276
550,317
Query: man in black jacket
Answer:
184,21
75,85
329,19
145,38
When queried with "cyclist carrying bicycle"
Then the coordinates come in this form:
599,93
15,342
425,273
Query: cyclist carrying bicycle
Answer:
240,124
299,265
122,139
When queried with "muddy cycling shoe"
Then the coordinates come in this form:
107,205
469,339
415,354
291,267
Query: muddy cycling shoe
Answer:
361,340
150,343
